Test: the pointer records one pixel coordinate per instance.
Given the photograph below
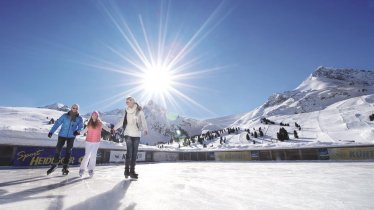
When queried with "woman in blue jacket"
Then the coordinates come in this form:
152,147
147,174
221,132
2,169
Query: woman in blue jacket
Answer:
71,125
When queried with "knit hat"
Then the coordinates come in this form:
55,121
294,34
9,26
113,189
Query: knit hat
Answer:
95,113
75,105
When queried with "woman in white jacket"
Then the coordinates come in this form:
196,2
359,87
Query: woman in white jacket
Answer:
134,124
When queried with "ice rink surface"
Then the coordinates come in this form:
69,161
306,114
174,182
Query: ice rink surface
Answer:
195,185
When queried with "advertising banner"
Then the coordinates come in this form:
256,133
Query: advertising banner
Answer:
210,156
41,156
323,154
255,155
117,156
165,156
233,156
354,153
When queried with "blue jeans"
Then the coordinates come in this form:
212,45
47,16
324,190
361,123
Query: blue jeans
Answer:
132,144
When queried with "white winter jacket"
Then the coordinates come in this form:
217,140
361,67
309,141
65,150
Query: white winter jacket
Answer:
136,122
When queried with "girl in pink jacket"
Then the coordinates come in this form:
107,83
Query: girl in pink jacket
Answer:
93,129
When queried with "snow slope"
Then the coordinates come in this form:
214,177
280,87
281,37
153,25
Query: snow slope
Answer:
322,88
331,105
226,121
344,121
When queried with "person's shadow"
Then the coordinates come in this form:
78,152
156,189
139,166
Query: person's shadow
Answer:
107,200
27,180
25,194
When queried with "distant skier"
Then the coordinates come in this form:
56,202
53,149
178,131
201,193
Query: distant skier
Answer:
72,124
93,129
134,124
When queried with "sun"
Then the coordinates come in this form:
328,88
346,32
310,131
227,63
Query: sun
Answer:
158,62
157,80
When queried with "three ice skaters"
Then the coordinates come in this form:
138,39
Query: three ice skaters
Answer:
133,124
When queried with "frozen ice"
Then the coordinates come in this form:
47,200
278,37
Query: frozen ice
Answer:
195,185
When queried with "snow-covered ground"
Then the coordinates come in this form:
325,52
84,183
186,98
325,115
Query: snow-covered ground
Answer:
342,121
209,185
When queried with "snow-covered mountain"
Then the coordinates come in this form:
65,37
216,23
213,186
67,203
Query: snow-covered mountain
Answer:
321,89
225,121
164,124
57,106
331,104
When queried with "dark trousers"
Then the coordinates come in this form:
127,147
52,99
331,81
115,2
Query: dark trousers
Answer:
132,144
69,147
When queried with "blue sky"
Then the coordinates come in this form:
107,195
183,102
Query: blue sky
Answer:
49,49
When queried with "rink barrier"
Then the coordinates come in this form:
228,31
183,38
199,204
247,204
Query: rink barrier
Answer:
6,155
31,156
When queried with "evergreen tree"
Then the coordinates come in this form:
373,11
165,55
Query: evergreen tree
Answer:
282,135
261,133
286,134
247,137
295,134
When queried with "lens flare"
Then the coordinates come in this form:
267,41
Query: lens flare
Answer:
157,80
158,65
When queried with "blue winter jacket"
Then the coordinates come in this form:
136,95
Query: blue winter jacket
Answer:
68,126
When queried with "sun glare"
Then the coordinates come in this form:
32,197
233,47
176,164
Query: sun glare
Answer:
157,80
159,64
